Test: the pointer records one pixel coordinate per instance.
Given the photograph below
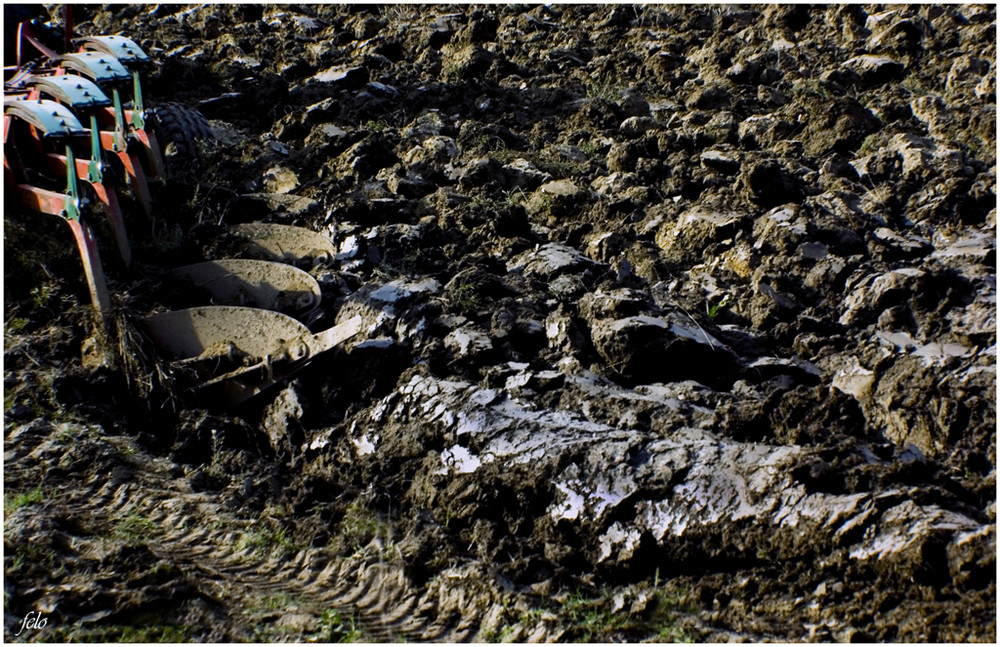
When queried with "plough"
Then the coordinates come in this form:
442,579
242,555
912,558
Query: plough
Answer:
76,130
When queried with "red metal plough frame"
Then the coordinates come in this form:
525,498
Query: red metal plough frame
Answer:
65,121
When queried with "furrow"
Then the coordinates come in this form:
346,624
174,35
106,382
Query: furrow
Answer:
378,595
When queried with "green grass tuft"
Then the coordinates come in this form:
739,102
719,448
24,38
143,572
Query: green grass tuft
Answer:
12,502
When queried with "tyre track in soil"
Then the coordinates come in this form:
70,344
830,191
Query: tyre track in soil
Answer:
385,605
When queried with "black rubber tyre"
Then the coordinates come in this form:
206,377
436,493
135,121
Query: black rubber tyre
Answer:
182,133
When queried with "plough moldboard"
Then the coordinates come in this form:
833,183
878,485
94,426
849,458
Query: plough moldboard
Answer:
76,133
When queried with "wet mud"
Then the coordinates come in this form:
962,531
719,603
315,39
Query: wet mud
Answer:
678,324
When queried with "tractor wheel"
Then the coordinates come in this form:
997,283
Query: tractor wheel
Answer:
182,133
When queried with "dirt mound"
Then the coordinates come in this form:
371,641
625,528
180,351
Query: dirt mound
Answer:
680,323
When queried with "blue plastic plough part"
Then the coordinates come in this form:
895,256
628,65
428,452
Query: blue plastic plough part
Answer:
122,48
51,118
74,91
79,94
130,56
99,66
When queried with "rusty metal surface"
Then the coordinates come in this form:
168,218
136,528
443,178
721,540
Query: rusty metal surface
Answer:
254,283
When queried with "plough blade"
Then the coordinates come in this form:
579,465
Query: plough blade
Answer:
338,334
259,348
285,243
225,353
260,284
241,389
213,330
